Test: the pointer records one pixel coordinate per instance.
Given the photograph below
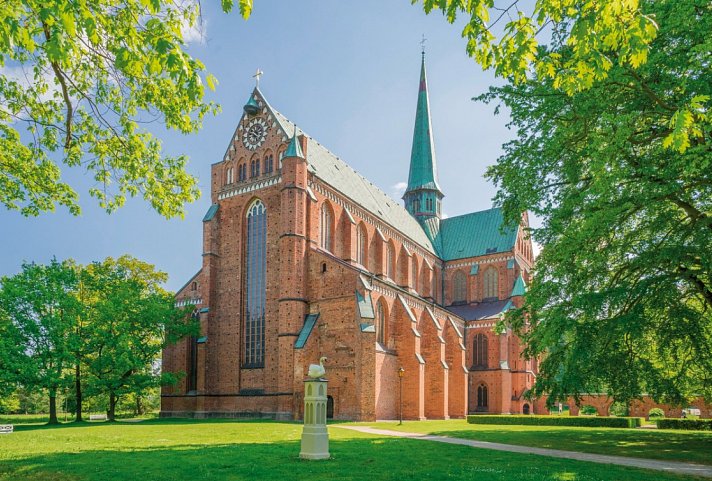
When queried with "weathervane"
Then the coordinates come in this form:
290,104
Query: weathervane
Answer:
422,45
257,76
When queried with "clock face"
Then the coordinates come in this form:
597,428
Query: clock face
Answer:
254,134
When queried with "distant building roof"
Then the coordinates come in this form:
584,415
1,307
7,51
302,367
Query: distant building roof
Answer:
483,310
475,234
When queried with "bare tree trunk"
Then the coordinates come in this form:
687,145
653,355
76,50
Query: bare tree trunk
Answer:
78,390
112,406
53,406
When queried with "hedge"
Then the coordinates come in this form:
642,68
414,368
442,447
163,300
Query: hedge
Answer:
583,421
687,424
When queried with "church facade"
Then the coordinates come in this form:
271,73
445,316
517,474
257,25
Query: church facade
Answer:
303,257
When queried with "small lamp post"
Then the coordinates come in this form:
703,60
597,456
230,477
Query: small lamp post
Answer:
401,371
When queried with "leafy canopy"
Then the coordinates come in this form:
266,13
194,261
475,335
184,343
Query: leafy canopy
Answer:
78,83
526,41
621,298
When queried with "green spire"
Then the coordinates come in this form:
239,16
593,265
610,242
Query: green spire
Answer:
423,170
294,149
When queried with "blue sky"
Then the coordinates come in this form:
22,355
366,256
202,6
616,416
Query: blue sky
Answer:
347,73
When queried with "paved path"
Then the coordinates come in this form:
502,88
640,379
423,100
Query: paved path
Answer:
668,466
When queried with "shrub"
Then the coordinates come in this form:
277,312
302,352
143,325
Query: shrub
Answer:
687,424
619,409
656,413
589,411
593,422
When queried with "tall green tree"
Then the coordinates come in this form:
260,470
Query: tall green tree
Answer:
42,309
78,80
621,298
132,319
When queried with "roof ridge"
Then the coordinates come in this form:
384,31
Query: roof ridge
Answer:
472,213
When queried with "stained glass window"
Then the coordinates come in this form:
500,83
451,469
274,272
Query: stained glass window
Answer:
255,287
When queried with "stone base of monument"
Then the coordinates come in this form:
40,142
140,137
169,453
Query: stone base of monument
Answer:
315,437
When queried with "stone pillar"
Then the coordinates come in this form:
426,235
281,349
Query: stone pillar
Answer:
315,437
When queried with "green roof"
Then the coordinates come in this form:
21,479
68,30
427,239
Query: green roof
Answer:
294,149
520,287
309,322
475,234
212,210
423,169
365,305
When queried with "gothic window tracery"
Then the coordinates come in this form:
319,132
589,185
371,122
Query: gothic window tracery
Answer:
326,227
390,261
361,245
479,351
482,396
255,292
380,324
459,287
490,283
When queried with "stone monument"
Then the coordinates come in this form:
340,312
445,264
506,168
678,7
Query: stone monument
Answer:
315,437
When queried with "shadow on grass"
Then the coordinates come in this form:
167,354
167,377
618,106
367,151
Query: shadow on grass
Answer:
352,459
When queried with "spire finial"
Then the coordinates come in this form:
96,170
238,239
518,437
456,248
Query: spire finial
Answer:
257,76
422,45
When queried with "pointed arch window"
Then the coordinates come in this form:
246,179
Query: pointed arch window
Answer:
255,285
380,324
269,164
414,274
229,178
479,351
490,284
459,287
482,396
326,227
361,245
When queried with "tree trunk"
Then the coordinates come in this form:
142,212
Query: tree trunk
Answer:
78,390
139,406
112,407
53,407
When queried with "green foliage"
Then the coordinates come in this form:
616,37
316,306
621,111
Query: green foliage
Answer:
10,404
656,413
574,44
528,420
686,424
41,309
77,82
589,411
618,409
131,320
621,296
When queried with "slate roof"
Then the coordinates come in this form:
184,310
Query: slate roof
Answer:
483,310
342,177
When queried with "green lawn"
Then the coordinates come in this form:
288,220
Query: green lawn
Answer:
223,450
640,443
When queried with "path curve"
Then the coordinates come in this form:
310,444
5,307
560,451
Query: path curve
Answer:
654,464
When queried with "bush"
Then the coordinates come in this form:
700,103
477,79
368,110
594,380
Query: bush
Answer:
619,409
687,424
656,413
589,411
592,422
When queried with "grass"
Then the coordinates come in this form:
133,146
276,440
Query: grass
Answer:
661,444
224,450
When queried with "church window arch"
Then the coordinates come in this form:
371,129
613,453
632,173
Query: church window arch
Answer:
479,351
459,287
255,285
381,323
361,238
489,281
482,397
242,171
390,260
326,227
229,177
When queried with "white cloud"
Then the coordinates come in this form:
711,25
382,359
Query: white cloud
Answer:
398,189
536,248
196,33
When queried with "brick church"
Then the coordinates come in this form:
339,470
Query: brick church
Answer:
304,257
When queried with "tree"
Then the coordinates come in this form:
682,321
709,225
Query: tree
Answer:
132,319
621,298
598,37
80,79
42,310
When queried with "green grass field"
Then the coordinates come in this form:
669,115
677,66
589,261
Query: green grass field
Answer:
223,450
666,445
